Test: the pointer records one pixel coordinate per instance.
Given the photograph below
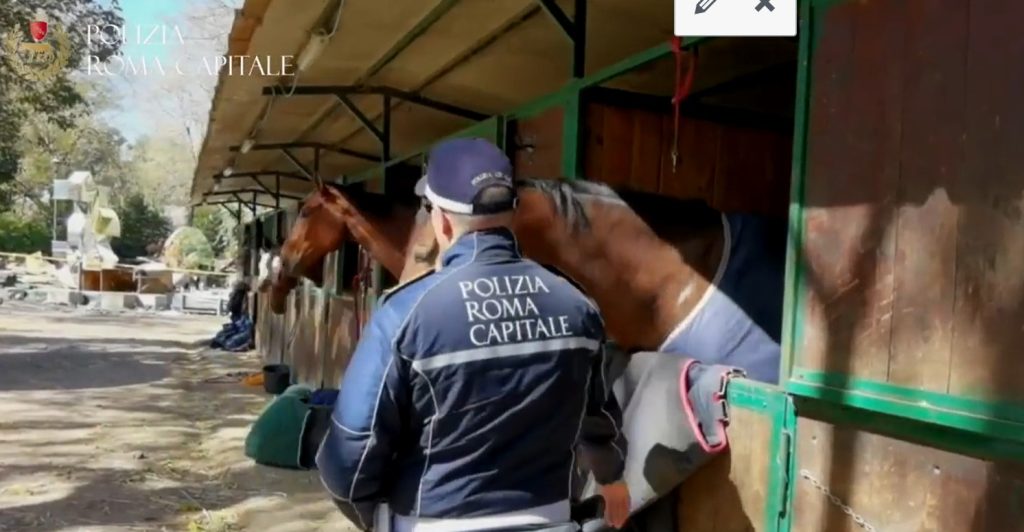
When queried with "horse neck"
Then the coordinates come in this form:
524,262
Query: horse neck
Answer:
384,236
642,285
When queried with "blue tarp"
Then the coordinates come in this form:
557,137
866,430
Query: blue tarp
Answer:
236,335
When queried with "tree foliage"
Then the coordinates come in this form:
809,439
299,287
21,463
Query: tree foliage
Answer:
19,234
161,169
23,100
51,151
217,226
141,226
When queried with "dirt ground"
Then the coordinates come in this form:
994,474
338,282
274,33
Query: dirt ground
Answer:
106,423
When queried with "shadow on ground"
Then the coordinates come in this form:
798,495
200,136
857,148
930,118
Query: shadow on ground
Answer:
115,427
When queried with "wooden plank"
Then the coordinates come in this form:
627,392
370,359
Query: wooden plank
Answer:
617,148
340,339
989,309
694,175
930,162
593,140
544,134
751,174
645,156
852,171
729,494
897,485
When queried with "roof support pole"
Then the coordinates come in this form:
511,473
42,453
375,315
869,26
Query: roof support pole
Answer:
277,210
240,175
243,202
251,190
551,8
227,206
296,145
575,30
360,116
316,164
256,179
411,97
230,201
579,40
298,164
385,137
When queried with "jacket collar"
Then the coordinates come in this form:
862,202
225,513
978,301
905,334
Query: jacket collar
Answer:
482,246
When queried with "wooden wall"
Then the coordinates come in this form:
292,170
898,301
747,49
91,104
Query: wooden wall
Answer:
316,335
536,145
897,485
732,167
914,244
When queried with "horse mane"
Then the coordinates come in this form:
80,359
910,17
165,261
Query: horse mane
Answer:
567,195
377,204
661,213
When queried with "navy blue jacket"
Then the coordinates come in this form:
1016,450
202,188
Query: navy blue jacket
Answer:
469,391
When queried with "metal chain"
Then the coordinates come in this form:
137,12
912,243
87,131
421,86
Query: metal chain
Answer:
835,500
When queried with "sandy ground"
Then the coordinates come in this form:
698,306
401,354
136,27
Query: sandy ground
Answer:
106,424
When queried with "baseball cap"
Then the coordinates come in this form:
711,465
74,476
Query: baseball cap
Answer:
460,170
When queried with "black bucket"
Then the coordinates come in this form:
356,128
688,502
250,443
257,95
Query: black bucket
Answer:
276,378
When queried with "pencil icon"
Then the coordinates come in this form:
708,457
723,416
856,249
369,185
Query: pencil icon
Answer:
703,5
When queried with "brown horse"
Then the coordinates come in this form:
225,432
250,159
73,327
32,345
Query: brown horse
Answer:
380,223
647,261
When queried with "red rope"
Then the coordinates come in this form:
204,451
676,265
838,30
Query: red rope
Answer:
681,92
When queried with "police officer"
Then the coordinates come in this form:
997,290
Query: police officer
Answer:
471,387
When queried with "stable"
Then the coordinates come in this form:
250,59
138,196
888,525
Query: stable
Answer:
886,133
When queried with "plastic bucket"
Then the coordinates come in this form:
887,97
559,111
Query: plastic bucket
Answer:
276,378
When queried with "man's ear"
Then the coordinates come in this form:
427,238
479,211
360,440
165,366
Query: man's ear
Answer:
446,227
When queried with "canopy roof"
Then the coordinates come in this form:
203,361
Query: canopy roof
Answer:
445,63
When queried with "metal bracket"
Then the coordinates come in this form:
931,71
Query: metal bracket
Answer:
362,118
575,30
383,90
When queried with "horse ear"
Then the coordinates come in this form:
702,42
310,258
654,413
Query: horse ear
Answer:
318,182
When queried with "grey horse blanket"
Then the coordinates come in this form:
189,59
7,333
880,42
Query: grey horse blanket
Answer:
674,418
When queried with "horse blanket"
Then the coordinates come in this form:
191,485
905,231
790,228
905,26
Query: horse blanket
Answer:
673,400
738,321
674,420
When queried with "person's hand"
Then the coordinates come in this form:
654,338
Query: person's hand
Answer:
616,503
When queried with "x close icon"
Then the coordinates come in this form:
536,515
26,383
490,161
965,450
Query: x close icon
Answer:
764,4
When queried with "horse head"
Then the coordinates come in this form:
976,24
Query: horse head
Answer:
380,224
319,230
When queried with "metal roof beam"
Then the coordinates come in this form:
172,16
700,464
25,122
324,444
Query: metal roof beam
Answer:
551,8
382,90
298,164
313,145
366,122
249,191
269,173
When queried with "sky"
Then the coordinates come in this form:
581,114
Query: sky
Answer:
152,101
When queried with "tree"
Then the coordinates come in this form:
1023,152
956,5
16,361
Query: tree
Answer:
161,167
217,226
24,100
49,150
141,225
19,234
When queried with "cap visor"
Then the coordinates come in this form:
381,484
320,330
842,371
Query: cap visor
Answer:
421,187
